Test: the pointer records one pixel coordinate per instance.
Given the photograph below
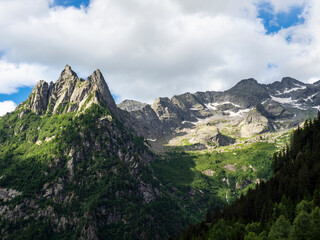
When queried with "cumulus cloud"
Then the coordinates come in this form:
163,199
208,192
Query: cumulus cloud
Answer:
6,106
13,76
156,48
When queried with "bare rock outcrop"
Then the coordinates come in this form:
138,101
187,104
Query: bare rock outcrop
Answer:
38,99
69,94
131,105
255,123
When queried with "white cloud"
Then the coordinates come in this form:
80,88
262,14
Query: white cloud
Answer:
7,106
155,48
13,76
285,5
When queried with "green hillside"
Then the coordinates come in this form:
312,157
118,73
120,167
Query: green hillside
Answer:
284,207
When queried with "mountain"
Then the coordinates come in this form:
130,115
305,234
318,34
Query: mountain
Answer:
71,169
69,94
131,105
281,105
285,207
74,165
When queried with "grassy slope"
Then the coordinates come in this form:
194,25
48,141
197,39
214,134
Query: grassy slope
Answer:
183,172
28,162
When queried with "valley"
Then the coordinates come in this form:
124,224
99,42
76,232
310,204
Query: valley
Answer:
192,166
76,165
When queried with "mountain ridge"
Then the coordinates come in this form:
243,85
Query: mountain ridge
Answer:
288,99
74,165
76,171
69,94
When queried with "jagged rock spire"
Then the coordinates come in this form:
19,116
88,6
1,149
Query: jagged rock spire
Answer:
70,93
97,78
38,99
67,72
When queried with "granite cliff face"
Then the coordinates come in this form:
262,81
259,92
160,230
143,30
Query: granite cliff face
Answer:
255,123
69,94
38,99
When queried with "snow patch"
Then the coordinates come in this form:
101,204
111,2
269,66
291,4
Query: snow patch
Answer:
151,140
310,97
199,120
283,100
239,113
213,106
298,87
290,101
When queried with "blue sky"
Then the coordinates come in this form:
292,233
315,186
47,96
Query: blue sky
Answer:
75,3
17,97
275,21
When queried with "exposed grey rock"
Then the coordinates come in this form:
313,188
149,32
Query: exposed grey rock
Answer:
168,113
222,140
8,194
274,110
146,123
285,84
38,99
131,105
102,87
70,94
247,93
89,232
210,135
255,123
190,107
147,192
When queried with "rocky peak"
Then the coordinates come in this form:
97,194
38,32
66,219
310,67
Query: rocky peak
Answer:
286,84
247,93
97,79
38,99
70,94
317,83
247,84
248,81
68,73
131,105
289,80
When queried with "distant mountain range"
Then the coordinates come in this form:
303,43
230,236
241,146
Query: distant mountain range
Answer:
289,100
74,165
251,107
262,107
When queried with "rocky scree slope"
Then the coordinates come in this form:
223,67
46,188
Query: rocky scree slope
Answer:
71,169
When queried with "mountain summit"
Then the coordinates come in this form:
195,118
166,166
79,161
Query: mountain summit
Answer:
73,165
70,168
277,101
69,94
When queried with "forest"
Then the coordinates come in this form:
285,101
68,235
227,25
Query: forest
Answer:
284,207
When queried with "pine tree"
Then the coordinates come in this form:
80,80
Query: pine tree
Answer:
303,227
280,228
